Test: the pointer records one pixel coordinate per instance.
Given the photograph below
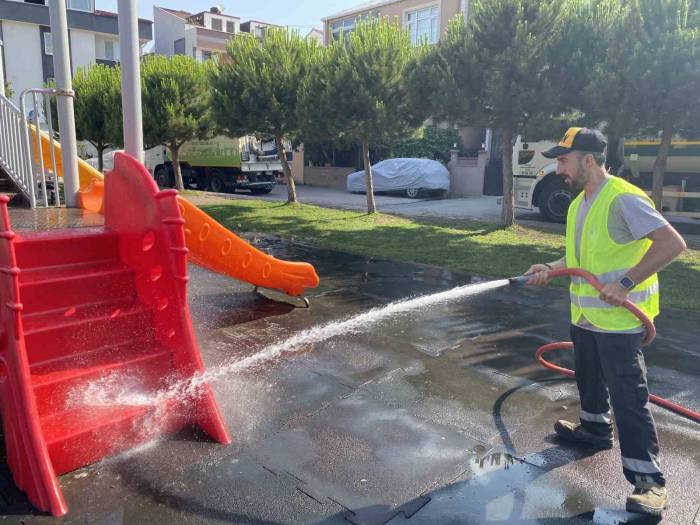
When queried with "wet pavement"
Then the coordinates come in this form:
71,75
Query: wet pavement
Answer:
437,416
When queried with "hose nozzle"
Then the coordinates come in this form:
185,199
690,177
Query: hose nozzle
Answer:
520,279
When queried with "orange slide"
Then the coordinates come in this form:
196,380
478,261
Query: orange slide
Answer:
210,244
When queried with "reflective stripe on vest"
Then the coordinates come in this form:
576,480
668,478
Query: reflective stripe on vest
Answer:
595,302
608,261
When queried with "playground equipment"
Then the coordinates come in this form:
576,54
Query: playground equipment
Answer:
84,302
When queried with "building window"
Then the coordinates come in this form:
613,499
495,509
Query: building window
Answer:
179,46
80,5
260,32
216,24
109,50
206,55
345,26
48,43
230,26
424,24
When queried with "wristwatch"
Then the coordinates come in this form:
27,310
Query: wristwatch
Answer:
627,283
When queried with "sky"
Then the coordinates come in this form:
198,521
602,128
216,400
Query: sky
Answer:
301,14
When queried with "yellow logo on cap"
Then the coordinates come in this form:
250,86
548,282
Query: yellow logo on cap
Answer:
568,140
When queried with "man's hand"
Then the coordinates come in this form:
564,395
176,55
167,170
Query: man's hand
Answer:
614,294
539,275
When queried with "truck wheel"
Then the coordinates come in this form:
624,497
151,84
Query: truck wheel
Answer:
216,182
554,201
260,191
163,178
202,182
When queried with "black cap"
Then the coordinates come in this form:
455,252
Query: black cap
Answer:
578,139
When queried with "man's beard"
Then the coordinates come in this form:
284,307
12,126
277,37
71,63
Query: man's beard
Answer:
578,181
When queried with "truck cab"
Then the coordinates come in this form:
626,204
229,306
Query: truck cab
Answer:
536,184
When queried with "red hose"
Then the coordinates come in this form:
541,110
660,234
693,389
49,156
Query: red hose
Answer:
648,338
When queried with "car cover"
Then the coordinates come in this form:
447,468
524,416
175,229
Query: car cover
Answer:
402,174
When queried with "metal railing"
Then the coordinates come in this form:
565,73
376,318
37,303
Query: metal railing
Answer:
22,146
46,185
14,154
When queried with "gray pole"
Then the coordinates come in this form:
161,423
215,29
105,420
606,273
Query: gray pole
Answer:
2,73
64,103
131,78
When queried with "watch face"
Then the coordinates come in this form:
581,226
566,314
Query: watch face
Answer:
627,283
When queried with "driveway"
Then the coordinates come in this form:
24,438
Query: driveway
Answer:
485,208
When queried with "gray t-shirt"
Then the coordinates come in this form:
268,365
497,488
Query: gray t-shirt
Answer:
631,218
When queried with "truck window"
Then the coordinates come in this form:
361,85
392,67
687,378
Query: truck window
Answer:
525,156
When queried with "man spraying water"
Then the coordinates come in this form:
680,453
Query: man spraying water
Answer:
614,232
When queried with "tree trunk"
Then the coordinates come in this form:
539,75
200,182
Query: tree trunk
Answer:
371,205
657,188
615,154
507,211
100,157
291,187
175,153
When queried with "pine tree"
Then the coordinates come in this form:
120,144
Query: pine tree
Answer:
647,81
256,92
98,108
176,104
494,70
358,91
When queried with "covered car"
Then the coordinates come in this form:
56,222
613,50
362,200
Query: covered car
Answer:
411,177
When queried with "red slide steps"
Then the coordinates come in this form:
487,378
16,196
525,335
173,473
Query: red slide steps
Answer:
90,305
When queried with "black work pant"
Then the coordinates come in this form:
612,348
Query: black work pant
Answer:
610,369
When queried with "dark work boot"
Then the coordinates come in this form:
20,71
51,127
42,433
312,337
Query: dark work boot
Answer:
577,434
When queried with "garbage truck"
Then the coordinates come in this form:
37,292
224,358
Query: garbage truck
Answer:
536,184
221,163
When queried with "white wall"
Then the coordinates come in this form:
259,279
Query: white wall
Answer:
191,41
22,57
82,47
236,21
166,29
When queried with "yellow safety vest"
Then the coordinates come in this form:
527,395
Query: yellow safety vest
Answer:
608,261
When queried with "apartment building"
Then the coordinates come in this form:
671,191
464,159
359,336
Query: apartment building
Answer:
427,20
27,51
424,19
199,35
255,28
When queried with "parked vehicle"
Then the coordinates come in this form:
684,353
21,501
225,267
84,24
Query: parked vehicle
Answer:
410,177
220,164
536,184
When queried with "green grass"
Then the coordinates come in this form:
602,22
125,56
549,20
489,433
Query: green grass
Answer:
486,250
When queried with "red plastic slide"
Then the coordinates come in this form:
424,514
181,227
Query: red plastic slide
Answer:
90,305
